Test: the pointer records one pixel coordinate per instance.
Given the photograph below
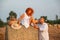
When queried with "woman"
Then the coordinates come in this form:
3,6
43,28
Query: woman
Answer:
26,18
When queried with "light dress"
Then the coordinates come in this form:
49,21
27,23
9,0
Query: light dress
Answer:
25,21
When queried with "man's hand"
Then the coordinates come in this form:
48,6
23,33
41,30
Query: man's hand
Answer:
35,26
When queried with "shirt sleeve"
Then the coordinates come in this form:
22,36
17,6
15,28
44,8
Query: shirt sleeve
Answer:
44,27
38,25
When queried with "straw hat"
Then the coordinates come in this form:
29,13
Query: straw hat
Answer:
15,26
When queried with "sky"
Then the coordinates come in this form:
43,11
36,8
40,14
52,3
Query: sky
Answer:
49,8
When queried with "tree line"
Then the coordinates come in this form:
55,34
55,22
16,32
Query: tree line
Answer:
12,13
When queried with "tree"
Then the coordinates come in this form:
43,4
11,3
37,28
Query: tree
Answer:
8,18
13,14
1,23
56,17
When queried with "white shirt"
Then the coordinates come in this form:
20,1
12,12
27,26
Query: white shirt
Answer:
25,21
43,31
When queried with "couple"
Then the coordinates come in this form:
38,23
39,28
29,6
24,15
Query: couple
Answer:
27,19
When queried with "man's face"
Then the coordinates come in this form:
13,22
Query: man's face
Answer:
41,20
12,18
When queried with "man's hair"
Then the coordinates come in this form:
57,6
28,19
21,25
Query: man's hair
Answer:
42,17
29,9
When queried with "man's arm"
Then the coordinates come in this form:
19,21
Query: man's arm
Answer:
36,26
44,28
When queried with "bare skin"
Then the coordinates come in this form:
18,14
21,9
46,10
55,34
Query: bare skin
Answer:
32,20
41,21
29,12
20,18
12,21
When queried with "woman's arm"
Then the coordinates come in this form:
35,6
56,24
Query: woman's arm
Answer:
32,20
20,18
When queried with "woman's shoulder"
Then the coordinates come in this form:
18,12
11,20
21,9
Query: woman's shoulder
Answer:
22,15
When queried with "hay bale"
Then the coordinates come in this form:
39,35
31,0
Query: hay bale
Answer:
22,33
1,37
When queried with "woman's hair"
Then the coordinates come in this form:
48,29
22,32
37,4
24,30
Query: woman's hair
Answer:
29,9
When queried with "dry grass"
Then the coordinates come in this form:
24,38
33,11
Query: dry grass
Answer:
2,33
29,34
22,34
54,32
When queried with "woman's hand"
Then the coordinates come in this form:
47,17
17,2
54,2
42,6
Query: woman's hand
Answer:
32,20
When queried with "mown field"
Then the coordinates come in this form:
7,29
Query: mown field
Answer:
28,34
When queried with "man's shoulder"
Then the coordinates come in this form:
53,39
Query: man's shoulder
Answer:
45,24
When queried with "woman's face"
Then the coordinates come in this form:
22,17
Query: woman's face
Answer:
29,13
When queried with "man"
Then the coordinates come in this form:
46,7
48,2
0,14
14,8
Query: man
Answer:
43,29
14,23
12,20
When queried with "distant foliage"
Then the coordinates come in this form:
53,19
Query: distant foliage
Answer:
57,21
54,21
13,14
1,23
8,18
